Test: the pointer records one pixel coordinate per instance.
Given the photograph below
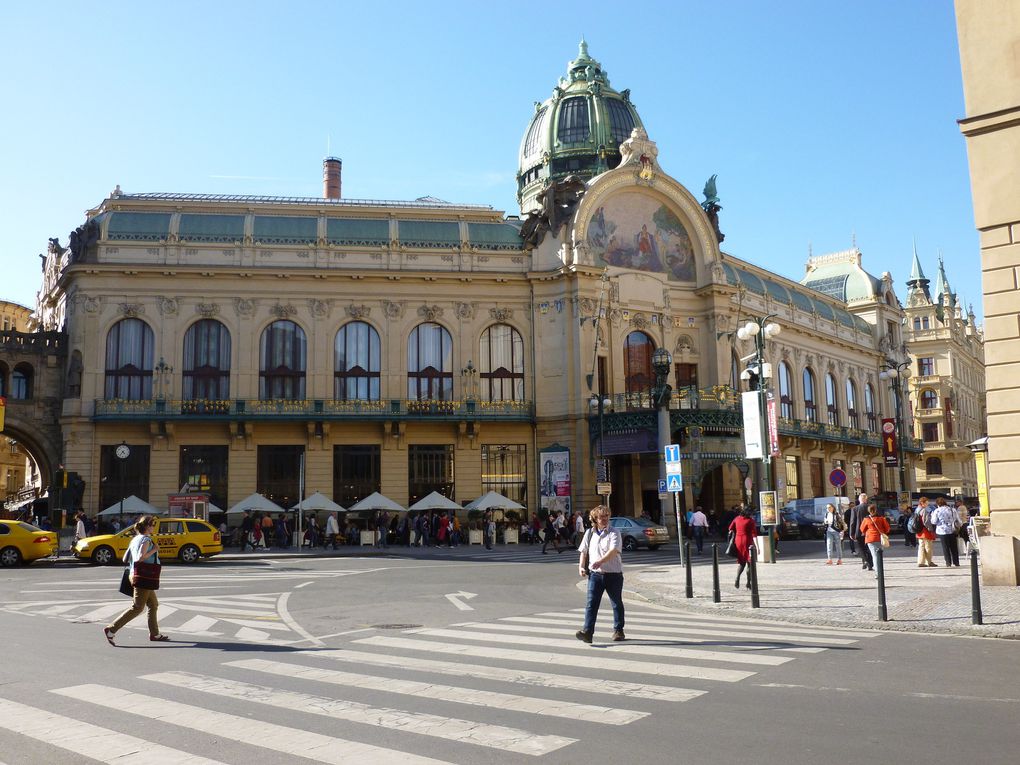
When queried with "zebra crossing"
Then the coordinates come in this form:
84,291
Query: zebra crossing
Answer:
423,695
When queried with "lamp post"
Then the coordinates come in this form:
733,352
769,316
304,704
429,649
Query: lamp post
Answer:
600,402
895,372
757,374
662,362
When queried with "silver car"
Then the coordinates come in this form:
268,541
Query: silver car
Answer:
640,532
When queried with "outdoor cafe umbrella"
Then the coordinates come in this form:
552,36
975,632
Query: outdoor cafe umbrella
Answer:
256,502
376,501
493,500
434,501
132,506
318,501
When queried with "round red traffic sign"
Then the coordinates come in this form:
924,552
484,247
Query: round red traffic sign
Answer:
837,478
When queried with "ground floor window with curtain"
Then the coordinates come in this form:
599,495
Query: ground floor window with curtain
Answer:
857,478
877,485
817,477
122,478
279,474
792,478
505,470
356,469
204,469
429,468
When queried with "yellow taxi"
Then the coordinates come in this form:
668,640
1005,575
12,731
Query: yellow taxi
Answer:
22,542
183,539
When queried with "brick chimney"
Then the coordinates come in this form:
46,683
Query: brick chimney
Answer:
331,171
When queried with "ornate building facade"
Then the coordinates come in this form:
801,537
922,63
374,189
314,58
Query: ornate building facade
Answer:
947,384
235,343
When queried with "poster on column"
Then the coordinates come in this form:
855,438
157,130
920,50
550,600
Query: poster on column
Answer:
554,480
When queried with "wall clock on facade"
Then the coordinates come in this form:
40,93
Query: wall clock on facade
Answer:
123,452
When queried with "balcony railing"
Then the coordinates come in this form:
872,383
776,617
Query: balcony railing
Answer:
312,409
806,428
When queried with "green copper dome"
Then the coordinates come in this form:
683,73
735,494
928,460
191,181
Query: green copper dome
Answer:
577,131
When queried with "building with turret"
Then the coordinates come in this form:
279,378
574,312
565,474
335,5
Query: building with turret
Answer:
947,383
236,343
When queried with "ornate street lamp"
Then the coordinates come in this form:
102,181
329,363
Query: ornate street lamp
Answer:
662,363
600,403
757,374
896,373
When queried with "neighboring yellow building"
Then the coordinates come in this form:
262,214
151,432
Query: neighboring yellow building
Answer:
19,477
235,343
989,35
947,385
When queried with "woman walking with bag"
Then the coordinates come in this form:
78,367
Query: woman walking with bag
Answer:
873,529
834,528
142,557
744,531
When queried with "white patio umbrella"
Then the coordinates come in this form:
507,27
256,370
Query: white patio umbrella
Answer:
493,500
434,501
376,501
319,501
132,506
256,502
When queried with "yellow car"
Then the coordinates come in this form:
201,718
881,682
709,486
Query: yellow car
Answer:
22,542
186,539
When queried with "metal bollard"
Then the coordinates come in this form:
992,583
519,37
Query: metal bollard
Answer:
687,572
883,612
975,590
716,594
752,574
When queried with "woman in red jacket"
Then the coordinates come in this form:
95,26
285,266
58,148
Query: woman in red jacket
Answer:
745,531
872,529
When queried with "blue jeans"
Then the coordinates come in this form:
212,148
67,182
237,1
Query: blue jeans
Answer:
699,538
833,544
599,583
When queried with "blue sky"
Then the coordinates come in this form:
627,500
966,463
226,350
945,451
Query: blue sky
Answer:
824,121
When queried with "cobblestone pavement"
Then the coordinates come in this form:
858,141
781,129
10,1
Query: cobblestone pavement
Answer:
806,590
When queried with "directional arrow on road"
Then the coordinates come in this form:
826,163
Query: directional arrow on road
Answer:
455,598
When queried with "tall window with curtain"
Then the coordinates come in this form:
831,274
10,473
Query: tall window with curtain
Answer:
356,363
831,400
283,356
430,363
501,364
869,407
129,351
810,405
637,364
206,361
785,391
853,418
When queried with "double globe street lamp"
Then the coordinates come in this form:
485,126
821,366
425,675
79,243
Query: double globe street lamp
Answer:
662,363
896,373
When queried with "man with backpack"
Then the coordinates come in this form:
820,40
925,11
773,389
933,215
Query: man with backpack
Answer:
925,533
858,514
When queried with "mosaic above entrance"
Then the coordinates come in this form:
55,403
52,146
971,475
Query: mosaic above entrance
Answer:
635,231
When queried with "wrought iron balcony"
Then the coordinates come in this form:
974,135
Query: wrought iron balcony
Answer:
313,409
823,432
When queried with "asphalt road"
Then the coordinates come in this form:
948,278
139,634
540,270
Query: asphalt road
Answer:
471,659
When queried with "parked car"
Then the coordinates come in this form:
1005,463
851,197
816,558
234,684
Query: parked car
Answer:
640,532
186,539
810,514
22,542
789,528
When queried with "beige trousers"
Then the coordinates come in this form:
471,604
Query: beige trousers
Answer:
923,552
141,600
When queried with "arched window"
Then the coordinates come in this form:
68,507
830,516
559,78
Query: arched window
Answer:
430,363
206,361
356,362
810,404
933,466
637,363
501,364
129,349
853,418
785,391
21,382
869,407
929,399
831,400
283,355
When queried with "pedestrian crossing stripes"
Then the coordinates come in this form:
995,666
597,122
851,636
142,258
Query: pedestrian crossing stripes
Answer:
518,684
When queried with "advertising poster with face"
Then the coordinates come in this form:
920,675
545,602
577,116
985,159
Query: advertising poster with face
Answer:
554,485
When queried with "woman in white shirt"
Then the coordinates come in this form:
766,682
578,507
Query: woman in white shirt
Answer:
602,562
834,528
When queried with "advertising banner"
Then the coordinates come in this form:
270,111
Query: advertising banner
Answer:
773,423
889,438
769,508
752,425
555,487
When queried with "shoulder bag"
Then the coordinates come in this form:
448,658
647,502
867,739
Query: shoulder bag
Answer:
731,545
146,575
125,583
